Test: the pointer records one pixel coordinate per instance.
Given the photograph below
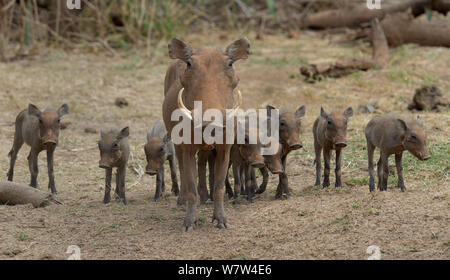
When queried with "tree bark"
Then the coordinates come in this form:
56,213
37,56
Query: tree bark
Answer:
401,29
14,194
359,15
343,67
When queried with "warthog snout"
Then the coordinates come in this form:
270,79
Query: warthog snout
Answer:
341,144
103,165
48,143
424,157
258,164
276,171
295,146
151,172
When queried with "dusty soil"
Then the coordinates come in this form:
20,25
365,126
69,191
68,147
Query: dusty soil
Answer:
312,224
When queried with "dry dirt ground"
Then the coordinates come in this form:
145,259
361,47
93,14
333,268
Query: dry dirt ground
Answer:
312,224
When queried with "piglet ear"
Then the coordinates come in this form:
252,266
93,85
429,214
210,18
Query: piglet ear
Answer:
63,110
33,110
239,49
348,112
124,133
102,133
403,124
300,112
419,120
179,50
323,114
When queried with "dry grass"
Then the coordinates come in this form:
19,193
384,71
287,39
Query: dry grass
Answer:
313,223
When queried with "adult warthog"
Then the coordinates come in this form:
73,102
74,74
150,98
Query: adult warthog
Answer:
205,75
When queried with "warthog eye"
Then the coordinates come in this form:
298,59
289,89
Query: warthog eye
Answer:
40,121
330,122
189,64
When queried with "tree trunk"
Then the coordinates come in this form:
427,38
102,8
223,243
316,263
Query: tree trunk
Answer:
13,194
361,14
343,67
402,29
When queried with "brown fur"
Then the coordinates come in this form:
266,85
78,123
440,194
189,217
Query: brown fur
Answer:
289,133
159,149
393,135
114,152
40,131
330,133
206,75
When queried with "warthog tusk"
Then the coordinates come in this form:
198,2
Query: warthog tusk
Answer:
236,107
188,113
181,106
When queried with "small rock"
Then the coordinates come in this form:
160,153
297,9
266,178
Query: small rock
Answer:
121,102
428,98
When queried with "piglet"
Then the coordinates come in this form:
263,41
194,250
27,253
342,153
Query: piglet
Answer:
393,135
40,131
114,152
330,133
158,149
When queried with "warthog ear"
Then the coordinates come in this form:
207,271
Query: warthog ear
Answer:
33,110
348,112
166,138
63,110
102,133
179,50
239,49
323,114
123,133
403,124
300,112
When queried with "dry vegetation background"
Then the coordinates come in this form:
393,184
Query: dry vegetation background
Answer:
90,72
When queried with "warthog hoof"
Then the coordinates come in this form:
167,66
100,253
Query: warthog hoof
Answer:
189,224
222,222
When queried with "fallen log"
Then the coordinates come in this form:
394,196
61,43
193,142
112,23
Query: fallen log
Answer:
401,29
380,48
361,14
15,194
343,67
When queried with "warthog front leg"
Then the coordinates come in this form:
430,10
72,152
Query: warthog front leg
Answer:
202,187
18,142
108,175
318,160
398,164
33,166
265,175
121,183
220,171
189,187
385,157
173,175
51,175
338,168
159,183
326,173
